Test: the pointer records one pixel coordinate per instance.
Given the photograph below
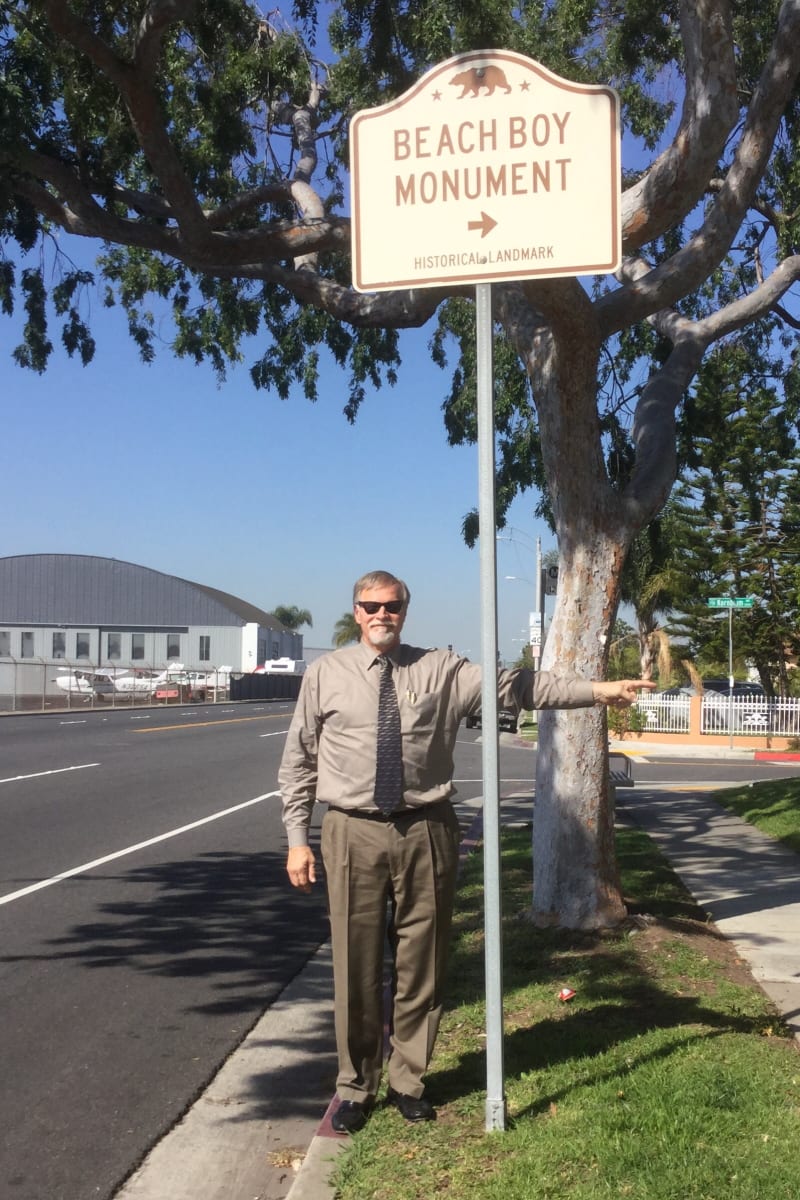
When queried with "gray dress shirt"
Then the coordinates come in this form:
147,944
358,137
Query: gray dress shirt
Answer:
329,754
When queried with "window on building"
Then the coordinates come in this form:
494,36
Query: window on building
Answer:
81,645
137,646
5,643
173,645
275,650
59,644
205,648
113,646
26,649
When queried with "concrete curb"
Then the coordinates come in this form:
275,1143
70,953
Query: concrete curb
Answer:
313,1178
241,1140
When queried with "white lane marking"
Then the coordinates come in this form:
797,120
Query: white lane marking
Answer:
526,779
83,722
279,733
55,771
107,858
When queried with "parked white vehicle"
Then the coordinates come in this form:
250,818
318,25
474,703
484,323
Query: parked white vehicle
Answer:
282,666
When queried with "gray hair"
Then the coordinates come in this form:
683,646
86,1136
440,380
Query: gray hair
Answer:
379,579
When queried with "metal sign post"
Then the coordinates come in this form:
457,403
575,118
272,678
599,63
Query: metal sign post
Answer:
495,1092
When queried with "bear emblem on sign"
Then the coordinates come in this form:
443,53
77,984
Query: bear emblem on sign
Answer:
475,78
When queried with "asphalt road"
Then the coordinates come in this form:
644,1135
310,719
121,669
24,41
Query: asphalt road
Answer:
124,985
145,921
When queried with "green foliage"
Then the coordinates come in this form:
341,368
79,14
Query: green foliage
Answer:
346,630
626,720
291,616
735,520
35,348
299,333
623,652
519,458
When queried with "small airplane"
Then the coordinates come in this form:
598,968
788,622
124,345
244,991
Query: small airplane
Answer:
139,683
84,683
100,684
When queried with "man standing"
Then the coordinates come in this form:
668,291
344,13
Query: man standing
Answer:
372,737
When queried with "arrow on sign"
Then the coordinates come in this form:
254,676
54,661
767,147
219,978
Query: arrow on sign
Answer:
486,224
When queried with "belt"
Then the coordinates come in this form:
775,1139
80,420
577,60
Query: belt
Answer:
364,814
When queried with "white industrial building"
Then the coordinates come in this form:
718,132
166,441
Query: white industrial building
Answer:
100,612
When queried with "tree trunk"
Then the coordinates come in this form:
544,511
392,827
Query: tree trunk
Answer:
575,878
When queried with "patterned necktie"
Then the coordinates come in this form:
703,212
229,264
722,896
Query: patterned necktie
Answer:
389,758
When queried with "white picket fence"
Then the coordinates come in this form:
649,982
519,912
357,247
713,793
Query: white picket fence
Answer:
722,714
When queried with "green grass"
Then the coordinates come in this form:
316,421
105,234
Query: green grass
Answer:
668,1077
774,808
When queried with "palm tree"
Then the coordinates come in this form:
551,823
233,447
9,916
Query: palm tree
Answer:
345,631
291,616
649,582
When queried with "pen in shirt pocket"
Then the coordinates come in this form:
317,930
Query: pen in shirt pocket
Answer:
411,697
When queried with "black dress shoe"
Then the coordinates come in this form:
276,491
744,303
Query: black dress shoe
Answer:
413,1108
349,1117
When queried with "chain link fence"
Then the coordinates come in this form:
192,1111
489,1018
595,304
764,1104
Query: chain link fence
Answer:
41,685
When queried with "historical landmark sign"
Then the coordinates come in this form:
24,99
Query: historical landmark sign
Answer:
490,168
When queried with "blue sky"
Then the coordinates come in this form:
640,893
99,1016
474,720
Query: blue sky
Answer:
278,502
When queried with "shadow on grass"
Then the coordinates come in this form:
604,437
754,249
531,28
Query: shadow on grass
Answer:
620,1000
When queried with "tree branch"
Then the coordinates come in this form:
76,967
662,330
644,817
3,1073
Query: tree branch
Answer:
401,309
303,120
144,107
223,252
653,432
756,304
677,179
701,254
159,16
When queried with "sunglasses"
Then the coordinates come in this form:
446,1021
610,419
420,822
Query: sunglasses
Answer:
371,607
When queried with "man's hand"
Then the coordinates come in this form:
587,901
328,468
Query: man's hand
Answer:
620,693
300,867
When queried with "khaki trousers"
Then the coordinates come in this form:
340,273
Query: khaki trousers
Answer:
409,861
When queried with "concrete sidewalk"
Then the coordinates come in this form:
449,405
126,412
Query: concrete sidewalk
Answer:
747,883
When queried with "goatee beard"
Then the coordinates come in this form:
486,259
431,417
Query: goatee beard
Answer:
382,637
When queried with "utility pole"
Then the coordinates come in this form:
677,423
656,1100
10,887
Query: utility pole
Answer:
537,616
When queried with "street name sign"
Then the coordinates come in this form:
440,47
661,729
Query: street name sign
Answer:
489,168
730,602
